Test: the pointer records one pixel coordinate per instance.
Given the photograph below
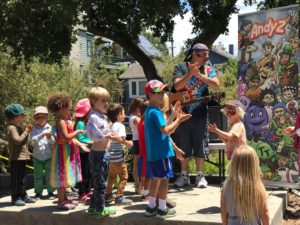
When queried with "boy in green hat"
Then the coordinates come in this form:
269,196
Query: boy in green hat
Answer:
18,153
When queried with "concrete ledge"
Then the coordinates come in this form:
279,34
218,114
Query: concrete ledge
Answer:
194,207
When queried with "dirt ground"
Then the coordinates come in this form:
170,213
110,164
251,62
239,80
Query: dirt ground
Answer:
292,215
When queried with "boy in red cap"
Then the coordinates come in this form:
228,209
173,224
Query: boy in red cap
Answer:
159,148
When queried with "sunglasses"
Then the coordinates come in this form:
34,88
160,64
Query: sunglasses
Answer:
201,56
40,117
230,110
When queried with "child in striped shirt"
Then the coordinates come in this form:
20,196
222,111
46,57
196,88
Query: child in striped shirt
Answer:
117,165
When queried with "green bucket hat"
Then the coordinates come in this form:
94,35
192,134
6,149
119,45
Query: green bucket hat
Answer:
14,110
287,49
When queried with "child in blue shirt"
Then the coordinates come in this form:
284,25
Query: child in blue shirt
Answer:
159,148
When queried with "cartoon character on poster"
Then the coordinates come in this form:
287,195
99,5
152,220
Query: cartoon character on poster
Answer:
268,87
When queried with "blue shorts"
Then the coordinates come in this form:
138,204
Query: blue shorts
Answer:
162,168
144,169
136,148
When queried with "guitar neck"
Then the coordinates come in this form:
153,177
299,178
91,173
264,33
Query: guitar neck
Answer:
202,99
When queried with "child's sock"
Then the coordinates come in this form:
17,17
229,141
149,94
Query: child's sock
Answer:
199,172
152,202
162,204
146,192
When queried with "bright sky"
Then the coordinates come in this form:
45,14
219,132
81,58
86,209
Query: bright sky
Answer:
183,29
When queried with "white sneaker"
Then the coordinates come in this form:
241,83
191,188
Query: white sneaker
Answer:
201,181
183,180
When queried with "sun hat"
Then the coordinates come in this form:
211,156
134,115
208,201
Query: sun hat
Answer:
155,86
40,109
82,107
14,110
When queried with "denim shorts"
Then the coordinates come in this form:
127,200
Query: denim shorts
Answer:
162,168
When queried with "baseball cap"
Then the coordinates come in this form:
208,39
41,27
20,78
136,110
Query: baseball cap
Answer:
40,109
155,86
82,107
14,110
199,47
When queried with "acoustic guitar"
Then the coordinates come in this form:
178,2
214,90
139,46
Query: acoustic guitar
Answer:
186,97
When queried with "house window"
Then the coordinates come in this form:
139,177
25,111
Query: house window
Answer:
136,88
89,48
124,53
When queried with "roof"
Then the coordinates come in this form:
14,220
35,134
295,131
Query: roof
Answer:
222,53
147,47
135,71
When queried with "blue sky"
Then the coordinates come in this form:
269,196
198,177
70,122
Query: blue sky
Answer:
183,29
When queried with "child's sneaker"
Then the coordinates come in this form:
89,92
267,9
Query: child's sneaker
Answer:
84,198
27,199
18,202
123,201
50,196
37,196
150,212
107,211
91,211
165,214
109,198
170,204
65,205
182,180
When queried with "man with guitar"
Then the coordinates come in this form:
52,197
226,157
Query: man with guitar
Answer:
194,77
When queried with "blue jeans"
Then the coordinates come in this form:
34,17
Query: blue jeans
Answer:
99,171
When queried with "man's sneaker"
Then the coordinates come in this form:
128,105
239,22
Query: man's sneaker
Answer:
165,214
182,180
107,211
50,196
109,198
150,212
91,211
27,199
123,201
38,196
18,202
201,181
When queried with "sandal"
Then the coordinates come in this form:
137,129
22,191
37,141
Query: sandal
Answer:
66,205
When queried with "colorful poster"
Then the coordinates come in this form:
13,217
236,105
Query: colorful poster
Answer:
268,70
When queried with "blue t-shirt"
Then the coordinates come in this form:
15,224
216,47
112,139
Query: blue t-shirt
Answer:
158,145
195,87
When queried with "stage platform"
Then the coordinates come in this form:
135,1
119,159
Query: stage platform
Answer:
195,206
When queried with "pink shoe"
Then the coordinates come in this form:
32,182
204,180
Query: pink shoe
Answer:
90,193
66,205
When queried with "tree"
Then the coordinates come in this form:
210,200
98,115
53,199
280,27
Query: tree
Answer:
44,28
38,28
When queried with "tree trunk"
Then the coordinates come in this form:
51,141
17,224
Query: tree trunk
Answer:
133,49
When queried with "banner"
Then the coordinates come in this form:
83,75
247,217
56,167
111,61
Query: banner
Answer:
268,70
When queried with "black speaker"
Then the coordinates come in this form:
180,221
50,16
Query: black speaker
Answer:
216,116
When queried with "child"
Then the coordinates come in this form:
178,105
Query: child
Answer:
98,129
159,149
81,116
65,164
134,119
42,141
18,153
117,165
143,167
237,133
243,197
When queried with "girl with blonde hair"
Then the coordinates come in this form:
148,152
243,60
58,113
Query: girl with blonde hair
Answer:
243,197
236,136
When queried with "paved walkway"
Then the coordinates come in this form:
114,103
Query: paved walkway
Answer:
194,207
